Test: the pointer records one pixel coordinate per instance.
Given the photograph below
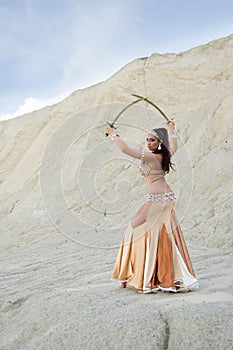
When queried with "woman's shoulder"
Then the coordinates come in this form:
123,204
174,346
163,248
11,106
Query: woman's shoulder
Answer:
156,160
157,157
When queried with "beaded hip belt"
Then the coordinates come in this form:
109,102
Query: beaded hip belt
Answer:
165,197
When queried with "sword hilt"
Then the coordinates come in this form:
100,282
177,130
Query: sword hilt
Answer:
112,126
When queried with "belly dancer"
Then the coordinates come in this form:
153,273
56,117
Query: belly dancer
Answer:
153,255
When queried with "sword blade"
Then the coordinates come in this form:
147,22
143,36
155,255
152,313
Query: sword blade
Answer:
125,108
122,111
139,98
154,105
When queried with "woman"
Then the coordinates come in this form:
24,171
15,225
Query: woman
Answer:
153,255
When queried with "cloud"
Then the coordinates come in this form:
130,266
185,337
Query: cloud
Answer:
31,104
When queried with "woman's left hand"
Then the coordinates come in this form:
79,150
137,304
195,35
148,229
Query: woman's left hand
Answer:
109,130
171,125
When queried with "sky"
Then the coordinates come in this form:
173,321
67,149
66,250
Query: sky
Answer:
50,48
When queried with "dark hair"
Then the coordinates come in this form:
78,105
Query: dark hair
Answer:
165,149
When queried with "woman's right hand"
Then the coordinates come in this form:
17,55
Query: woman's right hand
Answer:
109,130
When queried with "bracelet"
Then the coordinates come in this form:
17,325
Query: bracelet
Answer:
113,135
173,136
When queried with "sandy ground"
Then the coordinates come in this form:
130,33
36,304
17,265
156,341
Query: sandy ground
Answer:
56,294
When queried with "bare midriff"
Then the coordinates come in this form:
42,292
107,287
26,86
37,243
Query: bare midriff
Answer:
156,184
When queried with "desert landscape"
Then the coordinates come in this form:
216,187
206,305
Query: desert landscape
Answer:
67,195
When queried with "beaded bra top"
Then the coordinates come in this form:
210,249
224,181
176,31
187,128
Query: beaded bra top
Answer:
147,169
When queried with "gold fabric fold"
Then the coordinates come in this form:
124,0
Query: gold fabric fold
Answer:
164,269
148,253
180,242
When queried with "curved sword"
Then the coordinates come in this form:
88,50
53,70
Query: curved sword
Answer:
154,105
139,98
122,111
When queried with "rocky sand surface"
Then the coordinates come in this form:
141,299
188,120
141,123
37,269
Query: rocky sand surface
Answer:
55,295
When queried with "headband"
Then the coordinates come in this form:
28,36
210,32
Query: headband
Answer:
155,134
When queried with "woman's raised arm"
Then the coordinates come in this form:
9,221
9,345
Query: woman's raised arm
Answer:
172,138
124,148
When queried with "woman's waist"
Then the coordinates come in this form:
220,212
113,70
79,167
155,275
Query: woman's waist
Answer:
161,197
156,175
155,179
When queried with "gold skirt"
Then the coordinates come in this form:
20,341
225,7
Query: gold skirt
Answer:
154,256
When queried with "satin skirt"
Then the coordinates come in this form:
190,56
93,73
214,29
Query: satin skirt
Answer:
154,255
